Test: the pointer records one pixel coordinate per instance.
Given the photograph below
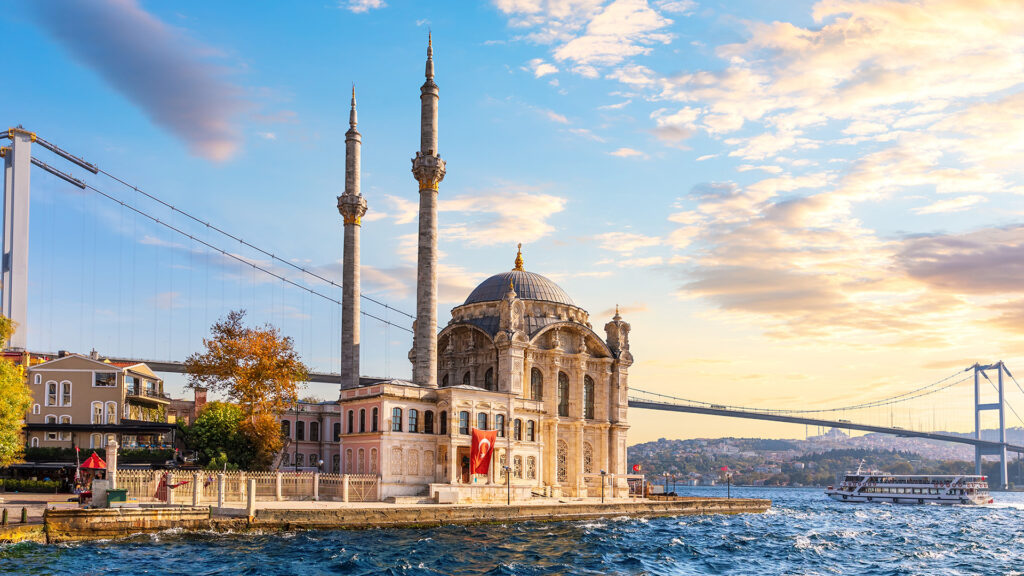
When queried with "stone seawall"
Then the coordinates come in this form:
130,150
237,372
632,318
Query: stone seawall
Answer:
74,525
89,524
436,515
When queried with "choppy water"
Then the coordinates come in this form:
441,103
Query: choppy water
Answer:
804,533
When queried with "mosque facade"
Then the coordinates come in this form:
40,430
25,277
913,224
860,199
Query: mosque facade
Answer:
518,357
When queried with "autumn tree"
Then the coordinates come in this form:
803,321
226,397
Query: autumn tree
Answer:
15,401
256,368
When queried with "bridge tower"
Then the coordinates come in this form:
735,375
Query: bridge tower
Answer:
979,373
14,304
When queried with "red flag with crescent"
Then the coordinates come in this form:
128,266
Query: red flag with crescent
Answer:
481,450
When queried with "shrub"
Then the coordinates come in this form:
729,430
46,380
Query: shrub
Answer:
27,485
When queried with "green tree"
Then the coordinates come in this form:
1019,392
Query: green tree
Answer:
15,401
217,436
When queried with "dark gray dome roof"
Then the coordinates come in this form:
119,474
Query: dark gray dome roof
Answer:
529,286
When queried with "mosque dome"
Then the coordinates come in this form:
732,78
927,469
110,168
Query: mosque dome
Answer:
528,286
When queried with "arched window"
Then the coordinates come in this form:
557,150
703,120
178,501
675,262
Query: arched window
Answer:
35,441
481,421
444,422
463,422
300,430
65,393
51,419
531,467
530,432
396,419
361,462
465,379
499,424
373,460
414,420
314,460
563,394
428,422
373,421
96,412
286,428
588,458
351,421
336,463
588,397
444,381
517,466
348,462
337,431
95,440
110,414
489,379
536,384
51,394
284,459
362,420
314,431
300,460
35,408
517,429
38,380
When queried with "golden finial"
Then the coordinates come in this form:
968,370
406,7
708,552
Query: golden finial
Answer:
519,257
511,287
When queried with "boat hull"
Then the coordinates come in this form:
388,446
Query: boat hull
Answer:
912,499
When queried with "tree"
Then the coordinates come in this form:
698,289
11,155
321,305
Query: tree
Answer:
255,367
15,401
216,436
259,370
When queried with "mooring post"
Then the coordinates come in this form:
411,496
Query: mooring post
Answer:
168,482
344,488
316,485
277,489
250,506
197,493
220,490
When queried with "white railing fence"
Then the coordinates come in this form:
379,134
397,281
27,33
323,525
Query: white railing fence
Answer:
215,488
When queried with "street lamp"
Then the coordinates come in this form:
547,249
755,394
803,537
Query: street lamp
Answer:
603,473
508,482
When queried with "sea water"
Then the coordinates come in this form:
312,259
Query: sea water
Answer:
804,533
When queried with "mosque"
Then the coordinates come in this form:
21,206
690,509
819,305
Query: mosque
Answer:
518,357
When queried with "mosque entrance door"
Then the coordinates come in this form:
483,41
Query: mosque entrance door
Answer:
463,461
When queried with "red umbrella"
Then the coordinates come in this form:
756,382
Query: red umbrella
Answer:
95,462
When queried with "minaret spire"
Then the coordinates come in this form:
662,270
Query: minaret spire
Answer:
428,168
352,206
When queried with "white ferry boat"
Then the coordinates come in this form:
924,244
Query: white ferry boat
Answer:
911,489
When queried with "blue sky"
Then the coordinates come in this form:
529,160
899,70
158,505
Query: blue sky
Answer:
805,203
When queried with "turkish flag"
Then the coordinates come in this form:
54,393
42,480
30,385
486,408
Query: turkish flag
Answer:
481,450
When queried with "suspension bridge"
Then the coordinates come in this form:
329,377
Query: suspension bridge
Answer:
132,241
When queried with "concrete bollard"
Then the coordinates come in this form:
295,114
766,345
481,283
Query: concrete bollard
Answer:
220,490
197,491
250,505
278,491
316,486
344,488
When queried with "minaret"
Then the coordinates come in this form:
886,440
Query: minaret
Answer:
428,168
352,206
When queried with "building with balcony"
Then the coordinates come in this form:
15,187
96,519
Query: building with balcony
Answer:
86,402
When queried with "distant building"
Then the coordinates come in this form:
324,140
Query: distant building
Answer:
312,433
184,412
84,401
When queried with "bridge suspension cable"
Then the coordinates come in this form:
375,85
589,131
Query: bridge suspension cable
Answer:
921,392
248,244
235,256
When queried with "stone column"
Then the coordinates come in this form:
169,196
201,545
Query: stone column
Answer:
316,485
344,488
197,489
278,492
220,490
112,463
250,502
168,480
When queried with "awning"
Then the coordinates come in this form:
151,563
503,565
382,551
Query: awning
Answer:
94,462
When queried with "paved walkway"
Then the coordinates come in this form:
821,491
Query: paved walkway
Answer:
35,503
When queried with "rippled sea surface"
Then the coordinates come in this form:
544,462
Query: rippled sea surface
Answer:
804,533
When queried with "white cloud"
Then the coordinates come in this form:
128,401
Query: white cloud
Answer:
628,153
361,6
950,205
541,68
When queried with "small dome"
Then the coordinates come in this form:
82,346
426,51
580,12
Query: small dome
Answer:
528,286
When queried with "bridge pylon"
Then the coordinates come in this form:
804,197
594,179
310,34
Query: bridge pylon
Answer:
979,407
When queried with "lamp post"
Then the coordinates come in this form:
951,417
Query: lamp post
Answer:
508,483
603,473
